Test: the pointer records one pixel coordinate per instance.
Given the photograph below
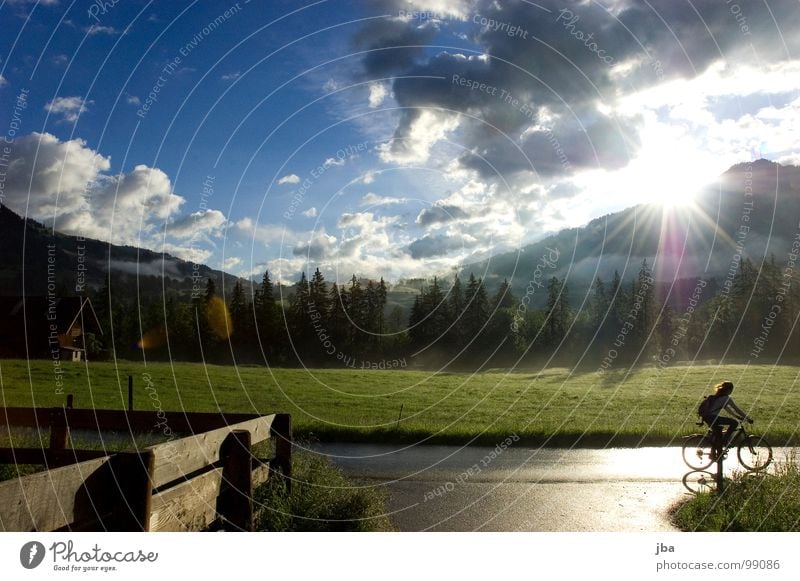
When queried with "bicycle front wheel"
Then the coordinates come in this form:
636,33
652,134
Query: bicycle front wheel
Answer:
697,452
755,453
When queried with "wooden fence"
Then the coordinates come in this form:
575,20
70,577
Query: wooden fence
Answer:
201,481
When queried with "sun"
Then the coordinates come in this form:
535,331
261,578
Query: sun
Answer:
669,170
676,199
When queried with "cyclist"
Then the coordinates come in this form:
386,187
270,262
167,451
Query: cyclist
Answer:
724,402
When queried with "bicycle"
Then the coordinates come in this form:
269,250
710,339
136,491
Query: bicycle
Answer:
753,452
698,481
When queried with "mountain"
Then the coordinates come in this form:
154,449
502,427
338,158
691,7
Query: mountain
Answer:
752,211
34,258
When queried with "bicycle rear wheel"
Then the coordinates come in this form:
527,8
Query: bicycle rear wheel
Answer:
755,453
699,481
697,452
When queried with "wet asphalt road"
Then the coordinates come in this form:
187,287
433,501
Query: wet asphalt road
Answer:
449,488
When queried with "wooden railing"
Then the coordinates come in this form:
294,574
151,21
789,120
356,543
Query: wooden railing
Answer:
201,481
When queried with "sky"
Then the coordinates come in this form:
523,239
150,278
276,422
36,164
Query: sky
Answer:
388,138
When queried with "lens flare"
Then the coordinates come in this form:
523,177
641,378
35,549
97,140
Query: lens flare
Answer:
219,320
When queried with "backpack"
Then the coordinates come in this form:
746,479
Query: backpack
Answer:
705,407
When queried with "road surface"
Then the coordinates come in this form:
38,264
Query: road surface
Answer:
450,488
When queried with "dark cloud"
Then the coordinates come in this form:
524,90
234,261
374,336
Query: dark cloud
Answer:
567,146
687,39
440,215
431,246
393,44
318,248
560,63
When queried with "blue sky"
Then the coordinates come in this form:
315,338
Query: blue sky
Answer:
394,138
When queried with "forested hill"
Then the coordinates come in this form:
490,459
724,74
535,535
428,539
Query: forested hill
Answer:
81,265
679,242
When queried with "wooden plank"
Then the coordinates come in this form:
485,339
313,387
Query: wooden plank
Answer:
49,500
177,459
137,421
189,506
151,421
28,417
45,456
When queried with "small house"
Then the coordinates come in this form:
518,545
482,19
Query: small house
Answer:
47,327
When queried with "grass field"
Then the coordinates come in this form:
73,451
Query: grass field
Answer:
554,407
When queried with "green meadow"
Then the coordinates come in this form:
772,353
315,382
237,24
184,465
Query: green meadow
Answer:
555,406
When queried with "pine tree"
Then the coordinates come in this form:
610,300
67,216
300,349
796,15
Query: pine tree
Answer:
599,304
642,304
268,319
618,301
456,316
504,299
383,293
318,294
665,329
337,321
240,317
417,321
357,312
212,322
558,312
477,308
300,318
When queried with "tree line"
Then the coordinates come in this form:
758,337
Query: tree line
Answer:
464,324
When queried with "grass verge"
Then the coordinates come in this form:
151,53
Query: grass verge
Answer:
750,502
322,499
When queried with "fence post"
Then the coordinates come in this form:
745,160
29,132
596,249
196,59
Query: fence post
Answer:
132,477
282,432
130,393
59,426
235,503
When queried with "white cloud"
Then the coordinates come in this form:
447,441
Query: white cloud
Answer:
331,162
310,213
69,107
289,179
68,184
458,9
689,97
231,76
245,225
373,199
330,86
98,29
368,178
133,100
428,128
377,93
203,223
190,253
231,262
3,81
318,246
